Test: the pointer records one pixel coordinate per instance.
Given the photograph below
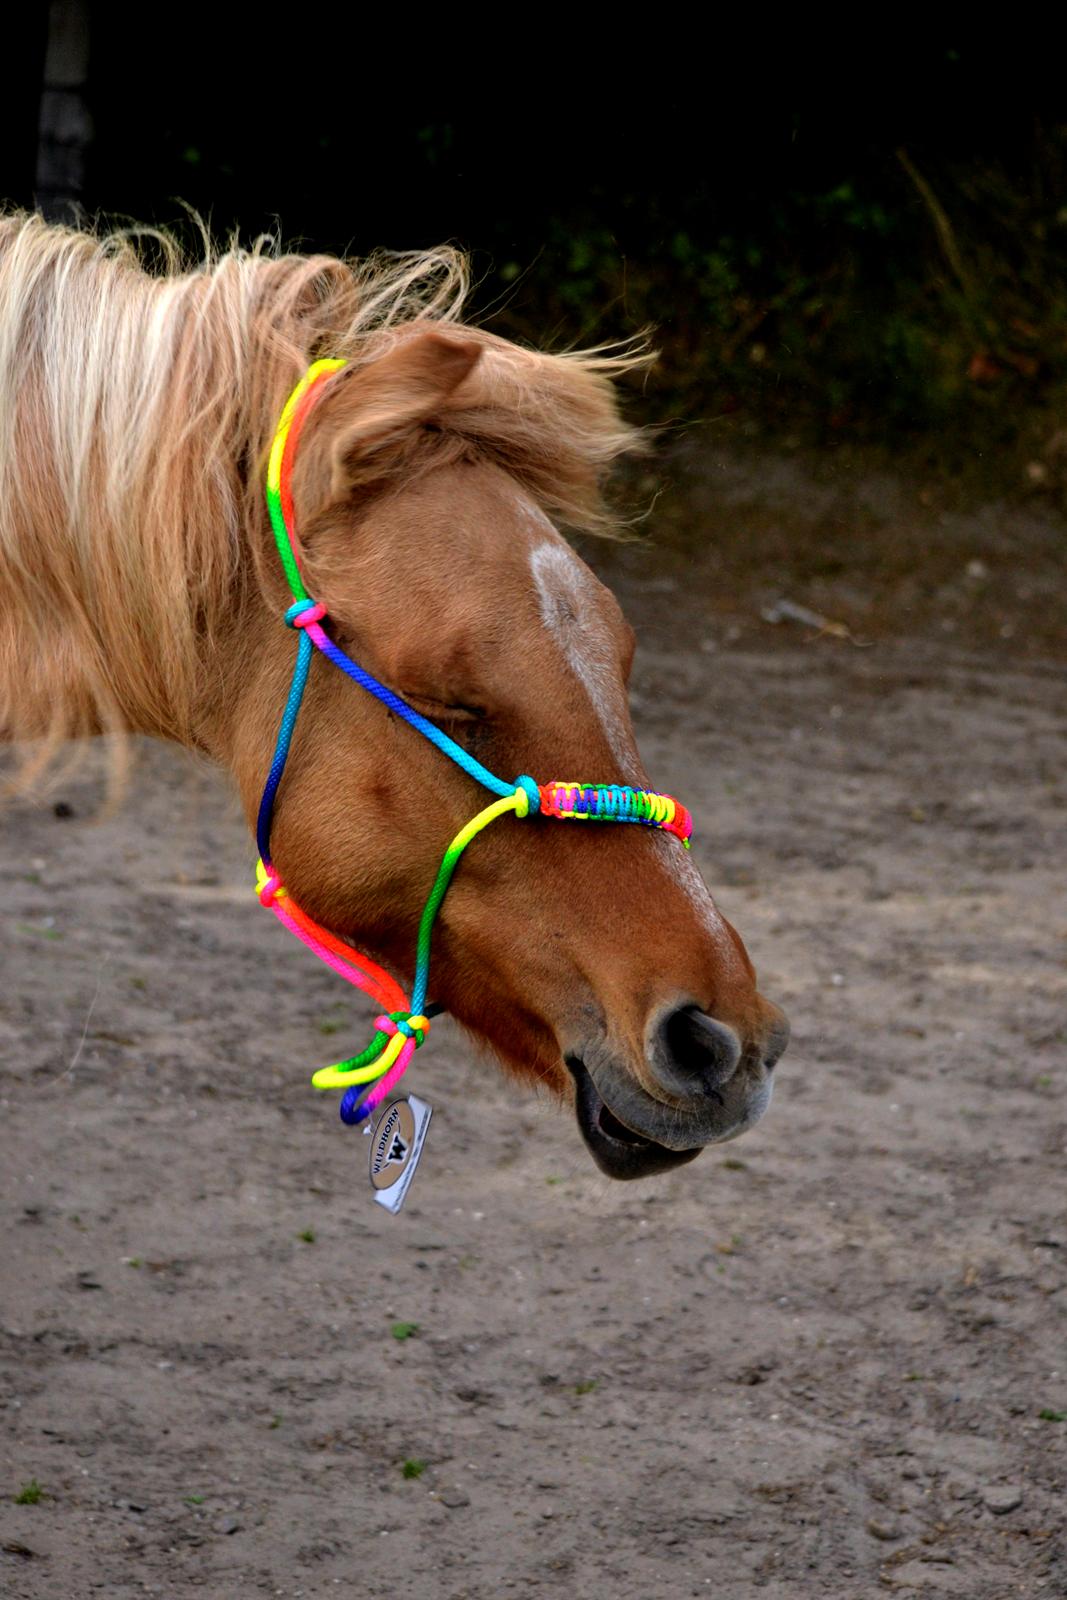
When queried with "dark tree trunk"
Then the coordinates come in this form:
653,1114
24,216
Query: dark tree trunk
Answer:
65,128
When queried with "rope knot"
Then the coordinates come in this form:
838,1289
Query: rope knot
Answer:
527,796
302,613
269,886
412,1027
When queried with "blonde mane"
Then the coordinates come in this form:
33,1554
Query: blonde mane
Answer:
137,399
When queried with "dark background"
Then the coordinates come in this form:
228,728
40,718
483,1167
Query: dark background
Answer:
831,233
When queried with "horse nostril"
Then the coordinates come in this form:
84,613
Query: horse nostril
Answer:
696,1053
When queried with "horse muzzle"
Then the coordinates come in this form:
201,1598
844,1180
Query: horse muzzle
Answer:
713,1088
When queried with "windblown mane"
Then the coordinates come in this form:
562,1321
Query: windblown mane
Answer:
136,406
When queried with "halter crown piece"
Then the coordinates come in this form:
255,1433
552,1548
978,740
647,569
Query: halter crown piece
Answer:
368,1077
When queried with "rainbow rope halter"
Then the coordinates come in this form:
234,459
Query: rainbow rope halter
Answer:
369,1076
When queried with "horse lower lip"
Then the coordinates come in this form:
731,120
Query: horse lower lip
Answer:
617,1150
610,1125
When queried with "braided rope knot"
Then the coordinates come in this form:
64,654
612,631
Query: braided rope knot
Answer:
368,1077
411,1026
615,802
302,613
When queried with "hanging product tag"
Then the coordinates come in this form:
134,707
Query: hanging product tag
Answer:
395,1147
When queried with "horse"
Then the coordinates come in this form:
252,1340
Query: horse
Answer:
436,478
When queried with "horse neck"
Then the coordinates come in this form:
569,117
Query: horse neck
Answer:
118,610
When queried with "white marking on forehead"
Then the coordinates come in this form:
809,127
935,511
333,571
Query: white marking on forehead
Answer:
567,600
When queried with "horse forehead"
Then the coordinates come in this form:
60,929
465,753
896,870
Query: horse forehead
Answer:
567,591
572,614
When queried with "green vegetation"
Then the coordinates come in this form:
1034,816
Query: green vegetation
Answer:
404,1330
307,1235
30,1494
898,300
413,1467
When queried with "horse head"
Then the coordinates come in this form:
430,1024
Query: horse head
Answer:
430,476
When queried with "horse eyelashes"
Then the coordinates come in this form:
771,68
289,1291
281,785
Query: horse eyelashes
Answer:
468,728
450,711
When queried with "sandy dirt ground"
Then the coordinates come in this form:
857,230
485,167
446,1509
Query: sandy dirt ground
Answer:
829,1360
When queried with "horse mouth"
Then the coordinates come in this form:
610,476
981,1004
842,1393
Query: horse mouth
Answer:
618,1151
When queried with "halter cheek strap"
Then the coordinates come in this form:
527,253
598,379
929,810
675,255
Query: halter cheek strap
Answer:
402,1027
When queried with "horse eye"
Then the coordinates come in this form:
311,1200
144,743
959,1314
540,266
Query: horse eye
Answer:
444,710
438,710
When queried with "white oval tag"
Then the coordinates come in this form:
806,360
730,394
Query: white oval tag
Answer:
395,1148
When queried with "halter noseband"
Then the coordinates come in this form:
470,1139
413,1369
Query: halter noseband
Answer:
368,1077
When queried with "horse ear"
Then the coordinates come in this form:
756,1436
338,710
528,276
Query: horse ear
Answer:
377,407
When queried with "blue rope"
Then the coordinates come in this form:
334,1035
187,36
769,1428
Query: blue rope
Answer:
421,724
304,654
447,746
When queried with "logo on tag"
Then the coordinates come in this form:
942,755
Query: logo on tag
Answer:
395,1149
